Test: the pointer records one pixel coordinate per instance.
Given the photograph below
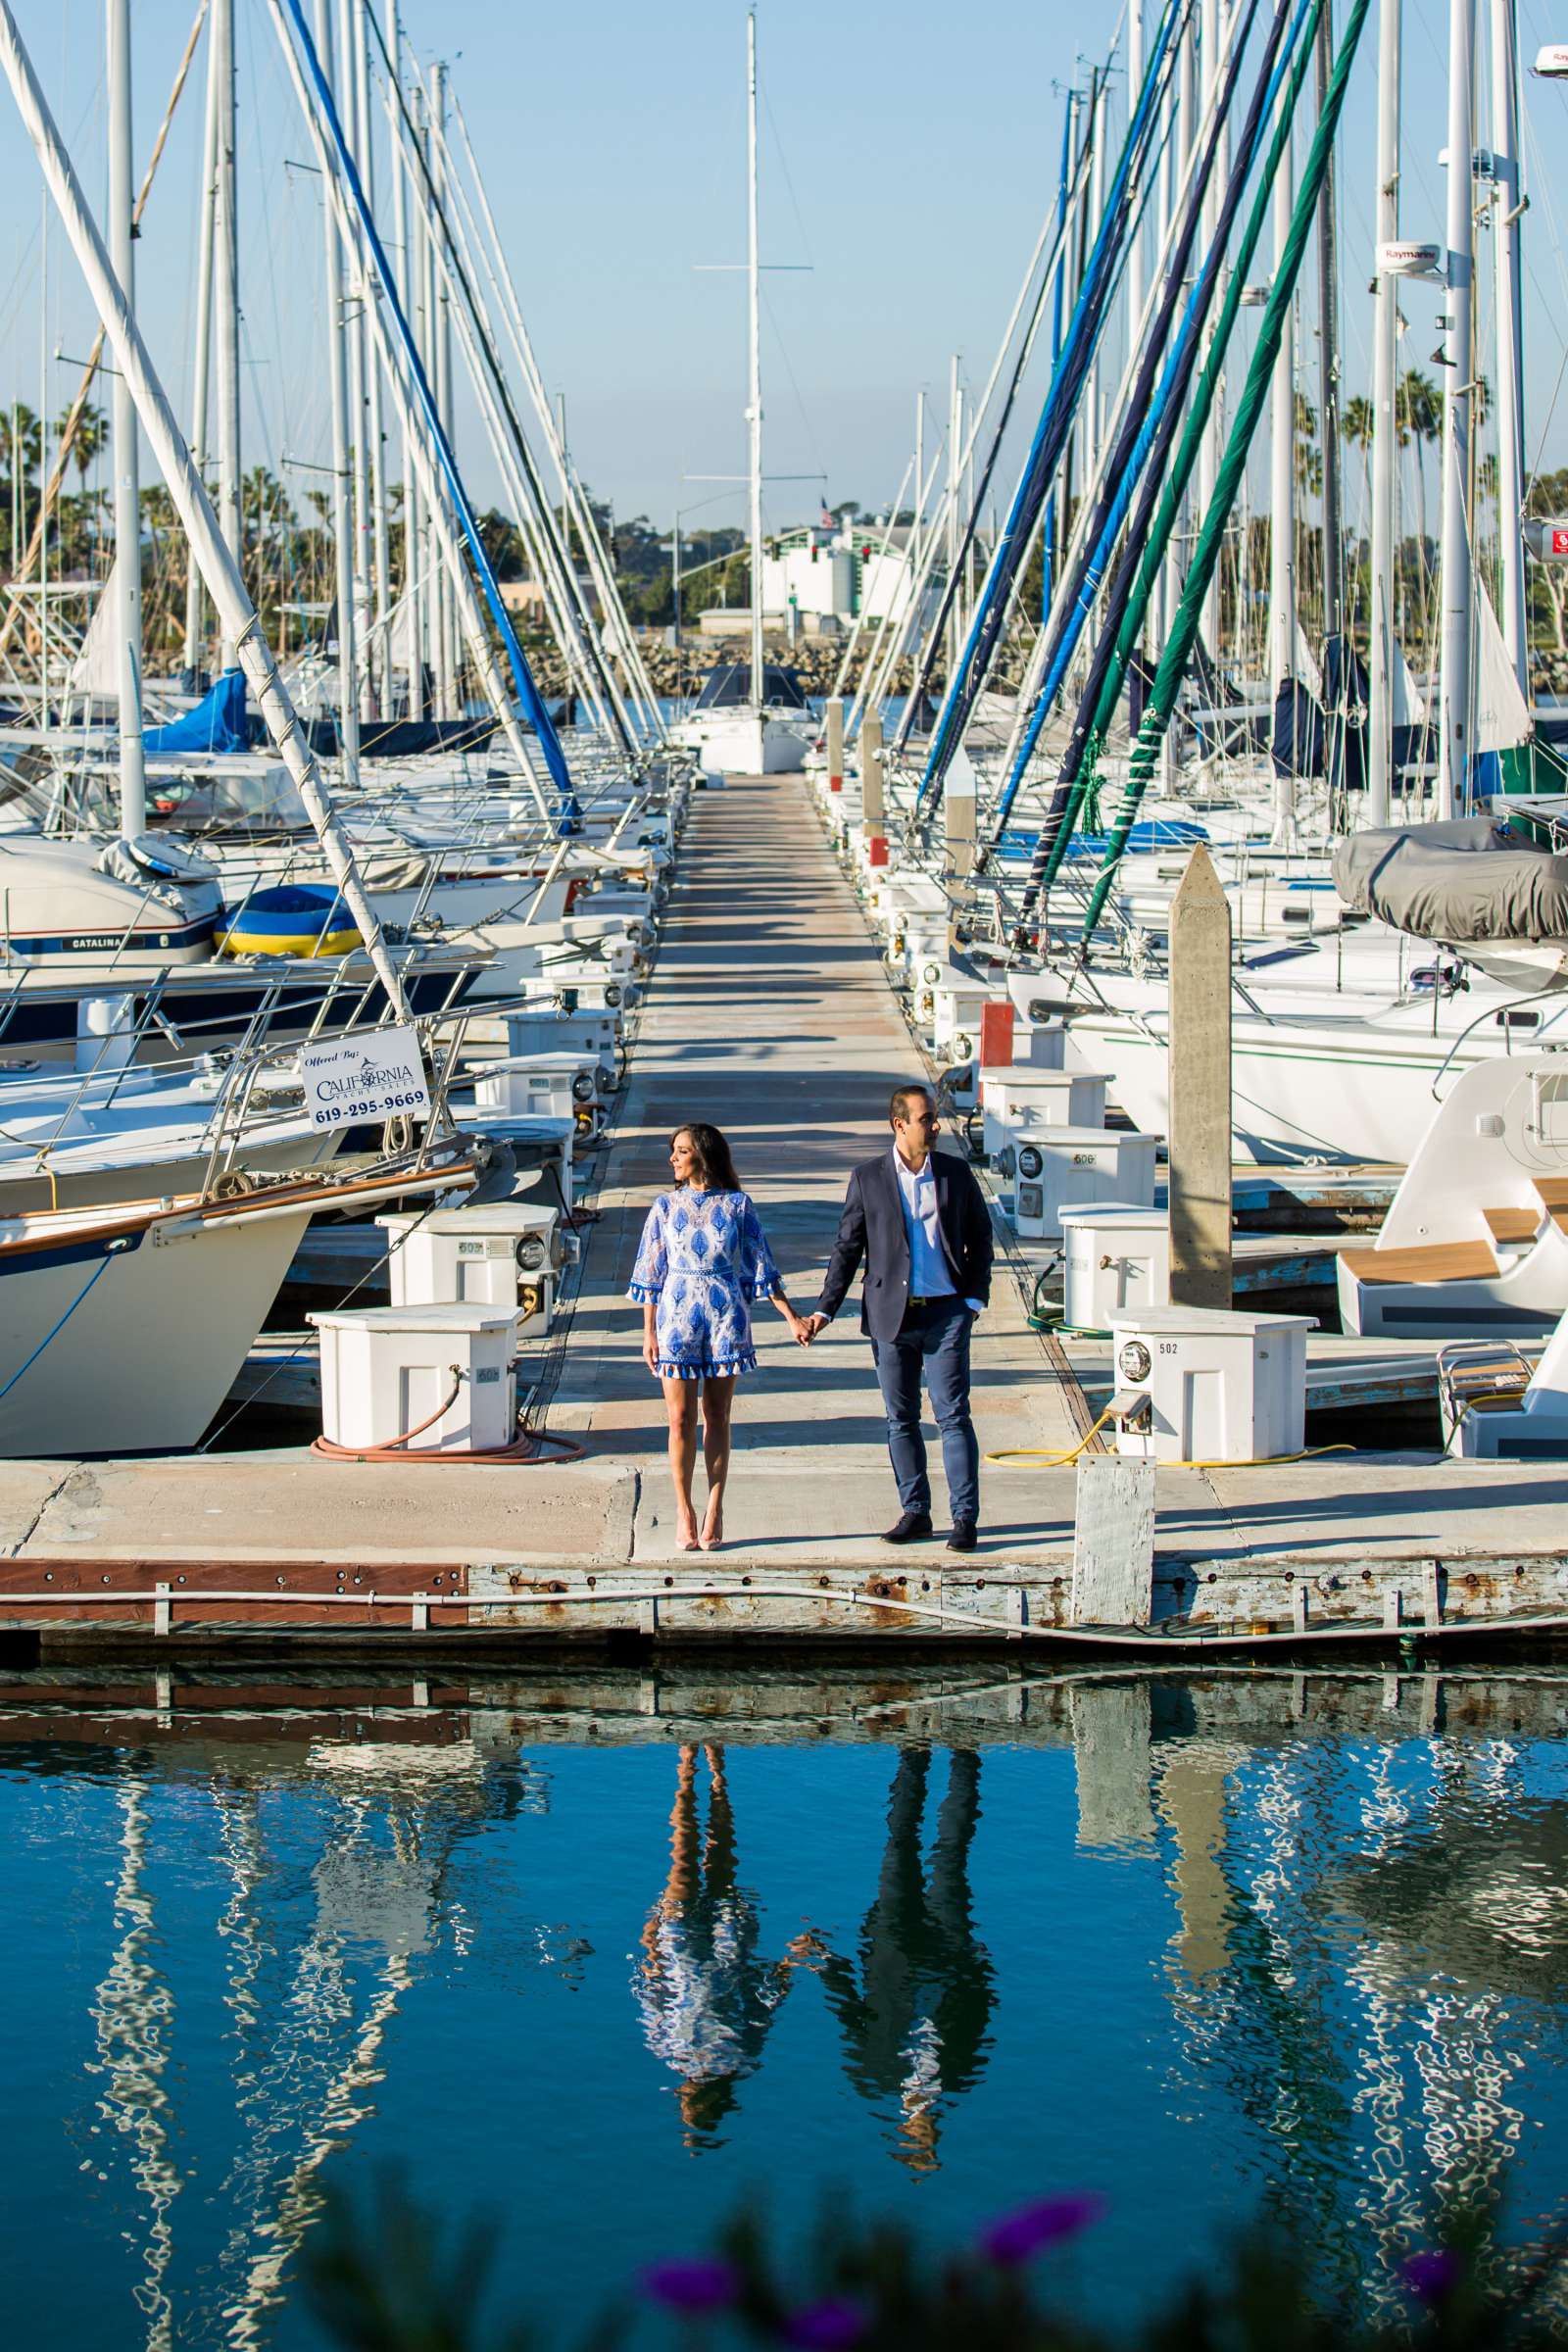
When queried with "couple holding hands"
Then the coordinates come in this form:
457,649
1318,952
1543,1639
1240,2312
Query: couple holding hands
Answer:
917,1218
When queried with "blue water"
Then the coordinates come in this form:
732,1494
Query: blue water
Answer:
1211,1949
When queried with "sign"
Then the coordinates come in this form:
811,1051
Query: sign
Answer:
1547,540
377,1076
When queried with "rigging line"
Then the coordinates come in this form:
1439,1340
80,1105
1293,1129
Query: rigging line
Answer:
1179,647
1149,396
1055,230
545,522
783,353
1165,481
23,1370
784,167
1061,405
1070,213
424,402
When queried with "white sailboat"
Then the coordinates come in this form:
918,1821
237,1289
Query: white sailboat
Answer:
755,724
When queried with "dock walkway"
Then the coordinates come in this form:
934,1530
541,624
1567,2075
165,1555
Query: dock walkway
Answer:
770,1014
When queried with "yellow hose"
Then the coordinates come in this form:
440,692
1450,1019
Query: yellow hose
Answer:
1061,1461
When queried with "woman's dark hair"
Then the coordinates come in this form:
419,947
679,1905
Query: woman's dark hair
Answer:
715,1167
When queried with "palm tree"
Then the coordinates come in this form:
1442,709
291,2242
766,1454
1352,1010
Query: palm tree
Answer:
20,436
89,440
1418,417
21,446
1357,425
1308,456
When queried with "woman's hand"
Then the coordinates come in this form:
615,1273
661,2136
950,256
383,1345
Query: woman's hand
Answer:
651,1348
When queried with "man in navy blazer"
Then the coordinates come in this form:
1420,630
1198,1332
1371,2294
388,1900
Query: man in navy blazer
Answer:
920,1220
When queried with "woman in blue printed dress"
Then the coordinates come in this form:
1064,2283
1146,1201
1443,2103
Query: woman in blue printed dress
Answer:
702,1257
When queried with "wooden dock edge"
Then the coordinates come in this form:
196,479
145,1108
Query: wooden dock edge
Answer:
1203,1605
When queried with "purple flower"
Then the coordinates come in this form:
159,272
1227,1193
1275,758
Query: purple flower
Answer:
830,2327
1432,2273
692,2288
1049,2221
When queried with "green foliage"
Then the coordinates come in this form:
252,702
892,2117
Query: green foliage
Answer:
388,2280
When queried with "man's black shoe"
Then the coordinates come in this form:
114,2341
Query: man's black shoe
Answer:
914,1528
963,1537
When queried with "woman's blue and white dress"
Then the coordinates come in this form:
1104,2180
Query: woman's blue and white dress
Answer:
702,1255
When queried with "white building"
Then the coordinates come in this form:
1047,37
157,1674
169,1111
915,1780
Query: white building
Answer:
816,574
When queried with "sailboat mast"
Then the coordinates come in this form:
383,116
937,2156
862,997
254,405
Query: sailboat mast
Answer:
1453,733
239,617
128,474
376,690
1282,466
348,702
1510,384
1328,306
440,318
412,531
1385,433
200,405
753,412
222,66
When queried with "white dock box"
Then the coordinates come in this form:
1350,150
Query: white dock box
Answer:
553,1085
589,1033
385,1369
1117,1262
1039,1046
1064,1168
500,1253
956,1007
1022,1097
1223,1387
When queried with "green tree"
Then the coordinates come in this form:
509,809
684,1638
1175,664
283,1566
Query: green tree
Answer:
1418,421
88,441
1357,425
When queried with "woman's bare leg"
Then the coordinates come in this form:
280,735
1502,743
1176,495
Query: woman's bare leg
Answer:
680,1403
718,1400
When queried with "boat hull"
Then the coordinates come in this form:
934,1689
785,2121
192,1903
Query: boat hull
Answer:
749,743
141,1360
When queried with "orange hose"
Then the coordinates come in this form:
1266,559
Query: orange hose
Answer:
522,1450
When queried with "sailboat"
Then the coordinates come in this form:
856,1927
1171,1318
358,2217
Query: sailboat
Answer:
752,721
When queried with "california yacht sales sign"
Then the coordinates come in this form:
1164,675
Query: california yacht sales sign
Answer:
370,1077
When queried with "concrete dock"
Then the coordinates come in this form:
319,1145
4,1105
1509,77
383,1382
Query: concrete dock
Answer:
771,1014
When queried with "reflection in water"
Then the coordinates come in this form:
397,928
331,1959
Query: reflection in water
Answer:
915,2010
706,1998
1310,1938
134,2025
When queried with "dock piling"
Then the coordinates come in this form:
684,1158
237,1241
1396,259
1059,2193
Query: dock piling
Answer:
1200,1088
1114,1540
874,796
835,742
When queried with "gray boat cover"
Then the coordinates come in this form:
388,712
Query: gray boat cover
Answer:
1471,880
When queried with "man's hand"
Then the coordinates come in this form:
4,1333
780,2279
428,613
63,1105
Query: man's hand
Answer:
810,1325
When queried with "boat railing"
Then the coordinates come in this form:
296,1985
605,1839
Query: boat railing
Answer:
1494,1012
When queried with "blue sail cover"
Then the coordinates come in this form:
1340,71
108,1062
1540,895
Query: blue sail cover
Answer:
217,723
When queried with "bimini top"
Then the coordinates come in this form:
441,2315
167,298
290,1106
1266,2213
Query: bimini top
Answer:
1467,882
729,687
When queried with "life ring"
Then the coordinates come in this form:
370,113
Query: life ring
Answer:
293,918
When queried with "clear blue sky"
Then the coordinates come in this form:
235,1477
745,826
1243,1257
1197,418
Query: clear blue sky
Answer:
909,154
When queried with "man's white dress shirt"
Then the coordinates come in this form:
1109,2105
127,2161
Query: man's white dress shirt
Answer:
929,1277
